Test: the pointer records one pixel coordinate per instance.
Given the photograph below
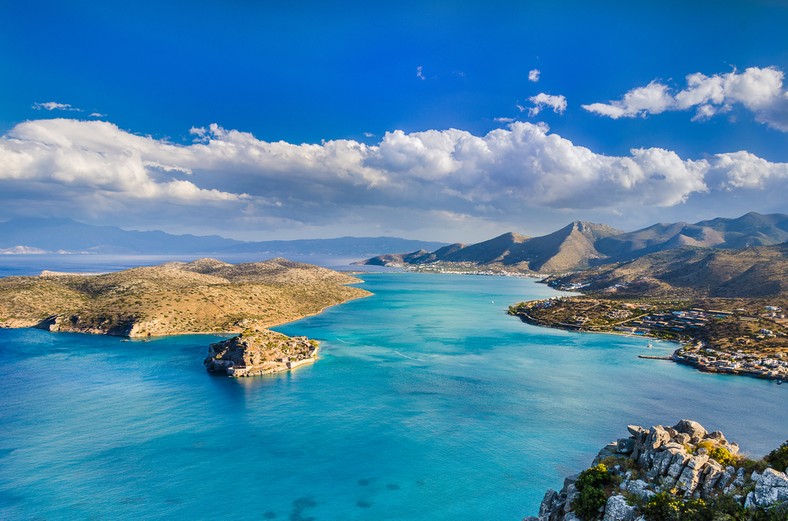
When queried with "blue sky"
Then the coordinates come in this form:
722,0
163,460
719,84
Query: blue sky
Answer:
354,74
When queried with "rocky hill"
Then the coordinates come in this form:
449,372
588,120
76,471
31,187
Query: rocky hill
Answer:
204,296
749,230
688,272
680,473
580,245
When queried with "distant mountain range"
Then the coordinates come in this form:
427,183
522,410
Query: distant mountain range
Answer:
581,245
36,236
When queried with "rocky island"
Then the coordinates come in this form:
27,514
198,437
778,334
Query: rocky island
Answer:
679,473
259,352
203,296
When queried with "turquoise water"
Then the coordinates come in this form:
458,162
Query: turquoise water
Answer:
428,403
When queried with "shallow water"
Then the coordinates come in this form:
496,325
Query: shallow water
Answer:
428,402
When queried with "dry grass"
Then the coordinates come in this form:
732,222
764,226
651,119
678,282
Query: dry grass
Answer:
199,297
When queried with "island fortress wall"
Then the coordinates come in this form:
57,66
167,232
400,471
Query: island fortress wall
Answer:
682,461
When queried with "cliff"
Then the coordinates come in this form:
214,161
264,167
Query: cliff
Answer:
259,352
681,473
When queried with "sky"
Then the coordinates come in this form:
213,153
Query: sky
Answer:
426,120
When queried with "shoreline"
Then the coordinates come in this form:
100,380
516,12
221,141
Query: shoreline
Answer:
675,357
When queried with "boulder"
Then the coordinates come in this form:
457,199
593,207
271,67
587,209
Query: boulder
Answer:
712,472
677,464
690,476
771,489
657,438
716,436
638,488
617,509
693,428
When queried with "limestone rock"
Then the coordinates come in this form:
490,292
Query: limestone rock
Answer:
693,428
690,476
617,509
638,488
771,488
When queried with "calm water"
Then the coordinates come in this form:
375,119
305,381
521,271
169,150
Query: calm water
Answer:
428,403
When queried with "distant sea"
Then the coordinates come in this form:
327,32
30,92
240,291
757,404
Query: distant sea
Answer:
428,402
11,265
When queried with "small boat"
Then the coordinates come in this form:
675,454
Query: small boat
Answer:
779,382
650,345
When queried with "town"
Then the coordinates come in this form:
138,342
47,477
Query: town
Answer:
749,339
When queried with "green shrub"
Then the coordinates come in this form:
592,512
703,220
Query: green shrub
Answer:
588,503
597,477
591,491
663,507
778,458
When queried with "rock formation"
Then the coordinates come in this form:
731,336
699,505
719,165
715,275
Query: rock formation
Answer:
672,467
259,352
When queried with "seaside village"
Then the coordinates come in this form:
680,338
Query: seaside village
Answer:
741,355
704,356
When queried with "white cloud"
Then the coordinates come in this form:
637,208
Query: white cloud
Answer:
369,134
654,98
54,105
533,75
557,103
231,177
420,73
759,90
97,115
503,120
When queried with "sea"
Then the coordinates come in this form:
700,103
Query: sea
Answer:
428,402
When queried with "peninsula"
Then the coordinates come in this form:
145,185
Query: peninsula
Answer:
203,296
726,307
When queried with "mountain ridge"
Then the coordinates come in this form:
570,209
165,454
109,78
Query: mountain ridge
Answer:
581,245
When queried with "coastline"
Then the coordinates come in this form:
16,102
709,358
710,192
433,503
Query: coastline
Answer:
691,351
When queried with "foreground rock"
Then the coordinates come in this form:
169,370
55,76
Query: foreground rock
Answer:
255,353
681,472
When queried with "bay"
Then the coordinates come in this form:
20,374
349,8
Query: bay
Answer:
428,402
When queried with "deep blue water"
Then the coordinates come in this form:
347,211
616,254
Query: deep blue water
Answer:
428,402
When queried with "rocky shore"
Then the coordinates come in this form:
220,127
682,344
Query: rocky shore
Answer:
679,473
259,352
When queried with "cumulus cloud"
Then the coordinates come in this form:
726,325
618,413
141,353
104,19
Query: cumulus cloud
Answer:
557,103
533,75
233,177
54,105
759,90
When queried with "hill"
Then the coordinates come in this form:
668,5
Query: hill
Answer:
29,236
204,296
580,245
752,229
688,272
